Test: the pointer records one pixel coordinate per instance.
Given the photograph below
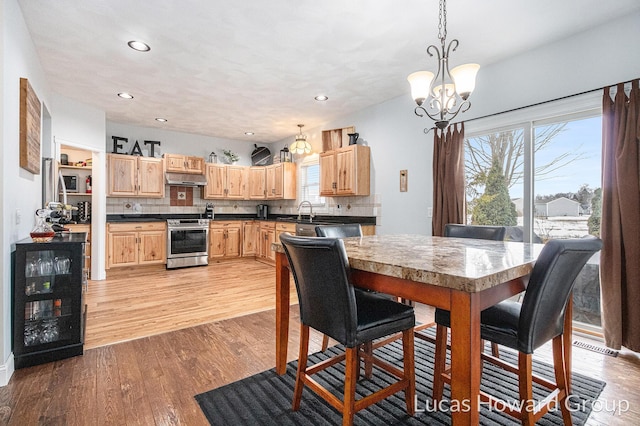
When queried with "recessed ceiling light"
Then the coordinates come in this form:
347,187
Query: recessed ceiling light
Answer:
162,120
125,95
321,98
139,46
249,133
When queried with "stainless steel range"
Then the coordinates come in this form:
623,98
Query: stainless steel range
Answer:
187,242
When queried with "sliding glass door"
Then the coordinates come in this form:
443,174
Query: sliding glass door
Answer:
541,179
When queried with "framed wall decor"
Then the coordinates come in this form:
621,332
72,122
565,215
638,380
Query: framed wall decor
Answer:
30,112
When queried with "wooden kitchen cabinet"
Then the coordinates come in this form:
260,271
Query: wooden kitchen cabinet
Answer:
225,239
266,236
216,181
226,182
237,182
134,176
273,182
345,171
178,163
139,243
257,183
282,227
281,181
250,231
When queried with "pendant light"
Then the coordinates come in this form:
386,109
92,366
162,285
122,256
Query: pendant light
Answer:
300,146
443,96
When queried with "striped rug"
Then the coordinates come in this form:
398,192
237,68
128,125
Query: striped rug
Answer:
265,398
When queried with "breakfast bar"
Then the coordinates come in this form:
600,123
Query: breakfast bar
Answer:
463,276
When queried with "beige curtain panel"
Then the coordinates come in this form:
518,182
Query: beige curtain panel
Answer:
448,178
620,224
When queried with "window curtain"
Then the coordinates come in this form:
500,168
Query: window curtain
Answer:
620,223
448,178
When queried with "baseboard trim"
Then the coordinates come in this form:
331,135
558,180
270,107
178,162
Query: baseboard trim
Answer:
6,370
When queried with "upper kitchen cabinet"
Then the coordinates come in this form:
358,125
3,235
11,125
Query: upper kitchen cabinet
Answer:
274,182
134,176
226,182
281,181
345,171
177,163
257,183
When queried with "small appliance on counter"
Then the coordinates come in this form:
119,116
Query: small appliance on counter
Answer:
208,211
84,212
262,211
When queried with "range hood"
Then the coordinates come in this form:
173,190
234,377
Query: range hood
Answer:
185,179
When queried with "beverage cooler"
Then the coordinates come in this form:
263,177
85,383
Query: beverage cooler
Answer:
48,310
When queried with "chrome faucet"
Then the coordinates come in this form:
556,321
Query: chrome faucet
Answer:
311,215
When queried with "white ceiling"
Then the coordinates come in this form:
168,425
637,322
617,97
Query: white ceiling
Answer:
220,68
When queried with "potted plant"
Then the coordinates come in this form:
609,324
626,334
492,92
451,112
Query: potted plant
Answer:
230,156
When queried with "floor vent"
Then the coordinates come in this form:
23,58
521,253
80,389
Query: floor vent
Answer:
594,348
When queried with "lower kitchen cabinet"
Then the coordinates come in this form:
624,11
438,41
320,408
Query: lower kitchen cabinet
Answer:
282,227
368,229
225,239
250,230
266,236
142,243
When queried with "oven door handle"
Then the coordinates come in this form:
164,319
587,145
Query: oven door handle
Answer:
188,228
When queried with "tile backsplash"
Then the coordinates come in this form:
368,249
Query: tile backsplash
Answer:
188,200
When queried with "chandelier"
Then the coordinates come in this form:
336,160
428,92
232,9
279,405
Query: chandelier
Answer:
443,96
300,146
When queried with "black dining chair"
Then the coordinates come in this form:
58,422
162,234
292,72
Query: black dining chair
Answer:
330,304
528,325
337,231
480,232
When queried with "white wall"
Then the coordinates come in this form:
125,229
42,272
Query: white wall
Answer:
20,190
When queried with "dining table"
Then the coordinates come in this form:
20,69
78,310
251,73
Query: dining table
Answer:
461,275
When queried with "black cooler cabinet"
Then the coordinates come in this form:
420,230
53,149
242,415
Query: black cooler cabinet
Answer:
48,310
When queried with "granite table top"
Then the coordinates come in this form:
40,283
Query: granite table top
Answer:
463,264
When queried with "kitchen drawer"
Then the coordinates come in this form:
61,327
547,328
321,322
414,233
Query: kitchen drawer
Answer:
220,224
286,227
136,226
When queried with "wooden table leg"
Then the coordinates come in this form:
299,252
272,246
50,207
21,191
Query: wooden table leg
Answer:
465,358
567,343
282,312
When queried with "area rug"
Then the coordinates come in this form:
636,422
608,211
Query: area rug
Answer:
265,398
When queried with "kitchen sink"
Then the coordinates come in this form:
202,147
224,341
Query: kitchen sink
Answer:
305,227
308,229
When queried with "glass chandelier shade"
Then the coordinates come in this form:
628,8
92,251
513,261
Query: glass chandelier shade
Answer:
442,105
300,146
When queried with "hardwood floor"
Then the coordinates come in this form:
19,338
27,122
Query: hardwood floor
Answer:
185,331
144,301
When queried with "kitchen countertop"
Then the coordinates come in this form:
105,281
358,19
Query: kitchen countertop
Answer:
161,217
